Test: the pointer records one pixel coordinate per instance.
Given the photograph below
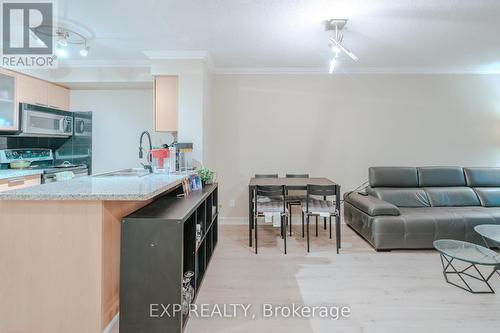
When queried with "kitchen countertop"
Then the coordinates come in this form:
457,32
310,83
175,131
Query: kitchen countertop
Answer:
12,173
117,188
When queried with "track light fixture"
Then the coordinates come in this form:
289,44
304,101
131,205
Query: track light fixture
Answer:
61,52
334,27
85,50
62,40
333,63
65,38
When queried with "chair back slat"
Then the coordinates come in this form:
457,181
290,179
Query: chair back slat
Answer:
297,175
270,191
271,175
321,190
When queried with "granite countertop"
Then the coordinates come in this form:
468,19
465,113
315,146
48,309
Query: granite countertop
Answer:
118,188
12,173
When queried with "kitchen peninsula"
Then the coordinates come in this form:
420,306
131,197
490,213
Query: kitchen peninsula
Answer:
60,250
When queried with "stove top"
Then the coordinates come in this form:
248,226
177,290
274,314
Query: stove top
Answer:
41,159
32,155
56,169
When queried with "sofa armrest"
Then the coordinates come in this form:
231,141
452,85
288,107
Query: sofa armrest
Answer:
371,205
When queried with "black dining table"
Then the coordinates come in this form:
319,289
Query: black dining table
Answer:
290,184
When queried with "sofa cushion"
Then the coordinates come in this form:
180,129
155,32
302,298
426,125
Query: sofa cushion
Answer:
428,224
482,177
452,196
402,196
393,176
417,228
489,196
441,176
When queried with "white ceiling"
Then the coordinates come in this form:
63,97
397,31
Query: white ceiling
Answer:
287,35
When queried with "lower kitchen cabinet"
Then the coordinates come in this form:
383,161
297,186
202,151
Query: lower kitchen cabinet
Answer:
16,183
166,248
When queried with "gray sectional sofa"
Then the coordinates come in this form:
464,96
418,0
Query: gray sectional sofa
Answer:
410,207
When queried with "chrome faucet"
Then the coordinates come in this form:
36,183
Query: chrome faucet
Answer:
141,151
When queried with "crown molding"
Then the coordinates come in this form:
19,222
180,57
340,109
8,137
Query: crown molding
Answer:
182,55
268,70
205,56
104,63
348,71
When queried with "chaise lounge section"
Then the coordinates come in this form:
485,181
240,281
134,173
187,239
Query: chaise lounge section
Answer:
410,207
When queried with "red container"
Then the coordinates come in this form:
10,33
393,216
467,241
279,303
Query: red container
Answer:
160,155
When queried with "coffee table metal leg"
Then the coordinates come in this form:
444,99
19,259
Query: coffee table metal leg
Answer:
250,216
337,222
460,274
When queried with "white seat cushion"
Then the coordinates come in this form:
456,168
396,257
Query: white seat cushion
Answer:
319,206
261,199
272,206
296,198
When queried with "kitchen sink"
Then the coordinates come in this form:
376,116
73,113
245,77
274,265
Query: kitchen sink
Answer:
132,172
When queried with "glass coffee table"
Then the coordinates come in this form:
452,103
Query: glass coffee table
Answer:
490,234
472,255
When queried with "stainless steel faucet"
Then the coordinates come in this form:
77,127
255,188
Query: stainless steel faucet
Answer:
141,151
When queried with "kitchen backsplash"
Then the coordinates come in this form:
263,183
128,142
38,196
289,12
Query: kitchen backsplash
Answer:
77,150
31,142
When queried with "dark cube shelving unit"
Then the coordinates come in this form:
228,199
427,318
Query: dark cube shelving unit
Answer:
158,245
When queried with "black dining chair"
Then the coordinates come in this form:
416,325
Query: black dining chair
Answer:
271,175
276,205
295,199
313,206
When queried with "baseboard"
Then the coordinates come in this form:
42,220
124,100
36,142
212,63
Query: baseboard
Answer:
111,323
244,220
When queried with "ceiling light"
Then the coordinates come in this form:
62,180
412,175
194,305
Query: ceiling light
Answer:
333,63
346,51
66,40
335,27
62,42
61,53
85,51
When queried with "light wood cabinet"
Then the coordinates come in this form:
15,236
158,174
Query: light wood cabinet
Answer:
58,97
166,103
34,91
16,183
9,114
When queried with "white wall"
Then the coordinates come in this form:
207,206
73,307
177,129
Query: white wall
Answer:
337,126
208,121
119,117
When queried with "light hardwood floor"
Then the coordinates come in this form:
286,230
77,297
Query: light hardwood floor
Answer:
398,291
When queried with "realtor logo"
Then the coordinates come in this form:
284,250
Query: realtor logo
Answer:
27,38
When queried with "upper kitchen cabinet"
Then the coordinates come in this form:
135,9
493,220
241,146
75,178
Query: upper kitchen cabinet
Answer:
34,91
166,100
58,97
9,114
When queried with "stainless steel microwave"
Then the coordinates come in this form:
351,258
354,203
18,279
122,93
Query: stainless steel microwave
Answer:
41,121
82,124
